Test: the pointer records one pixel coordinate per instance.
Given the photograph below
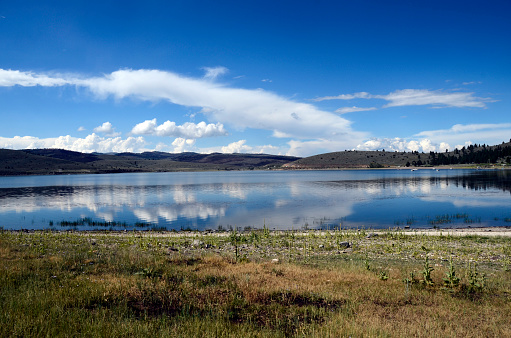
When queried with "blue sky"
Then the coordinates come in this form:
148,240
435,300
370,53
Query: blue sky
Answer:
281,77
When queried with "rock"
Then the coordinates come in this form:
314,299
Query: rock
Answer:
275,260
344,244
197,243
372,234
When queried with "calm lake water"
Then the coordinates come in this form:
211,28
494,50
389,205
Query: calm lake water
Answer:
276,199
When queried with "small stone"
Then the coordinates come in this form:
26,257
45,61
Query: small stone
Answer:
344,244
275,260
197,243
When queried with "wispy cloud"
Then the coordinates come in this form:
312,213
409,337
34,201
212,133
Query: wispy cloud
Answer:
419,97
240,108
10,78
361,95
460,134
187,130
213,72
353,109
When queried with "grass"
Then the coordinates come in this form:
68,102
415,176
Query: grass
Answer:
255,283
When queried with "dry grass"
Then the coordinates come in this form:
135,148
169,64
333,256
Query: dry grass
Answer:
73,285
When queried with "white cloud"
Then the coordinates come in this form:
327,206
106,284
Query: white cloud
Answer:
91,143
9,78
419,97
397,144
353,109
241,147
440,140
213,72
107,129
460,134
361,95
81,128
237,147
240,108
466,128
181,145
310,129
187,130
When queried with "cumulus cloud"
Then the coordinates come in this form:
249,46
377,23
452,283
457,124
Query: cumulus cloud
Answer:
237,147
181,145
441,140
91,143
107,129
240,108
187,130
419,97
397,144
81,128
353,109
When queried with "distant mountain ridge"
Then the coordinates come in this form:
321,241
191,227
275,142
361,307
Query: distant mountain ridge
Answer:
59,161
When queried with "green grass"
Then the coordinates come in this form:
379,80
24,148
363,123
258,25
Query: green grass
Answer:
230,284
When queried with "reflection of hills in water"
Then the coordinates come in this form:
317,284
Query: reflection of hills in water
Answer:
287,203
480,180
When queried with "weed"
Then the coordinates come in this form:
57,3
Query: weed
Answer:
383,275
426,272
451,280
476,279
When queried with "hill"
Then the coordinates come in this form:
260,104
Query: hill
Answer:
58,161
474,154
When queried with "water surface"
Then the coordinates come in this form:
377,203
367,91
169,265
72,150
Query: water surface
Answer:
276,199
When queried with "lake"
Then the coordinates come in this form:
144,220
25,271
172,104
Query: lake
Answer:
276,199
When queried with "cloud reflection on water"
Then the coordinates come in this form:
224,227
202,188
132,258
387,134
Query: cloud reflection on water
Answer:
280,201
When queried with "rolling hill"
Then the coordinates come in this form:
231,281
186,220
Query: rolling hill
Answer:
58,161
474,154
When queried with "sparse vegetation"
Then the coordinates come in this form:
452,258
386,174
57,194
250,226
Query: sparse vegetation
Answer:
253,283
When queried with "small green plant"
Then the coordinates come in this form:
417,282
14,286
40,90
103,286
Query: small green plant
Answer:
234,241
451,280
383,275
476,280
410,279
427,272
366,263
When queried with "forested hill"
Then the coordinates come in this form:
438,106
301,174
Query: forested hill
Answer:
58,161
474,154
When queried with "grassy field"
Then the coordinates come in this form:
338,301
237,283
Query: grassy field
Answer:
254,284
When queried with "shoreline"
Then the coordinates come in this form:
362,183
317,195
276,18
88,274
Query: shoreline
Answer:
499,231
